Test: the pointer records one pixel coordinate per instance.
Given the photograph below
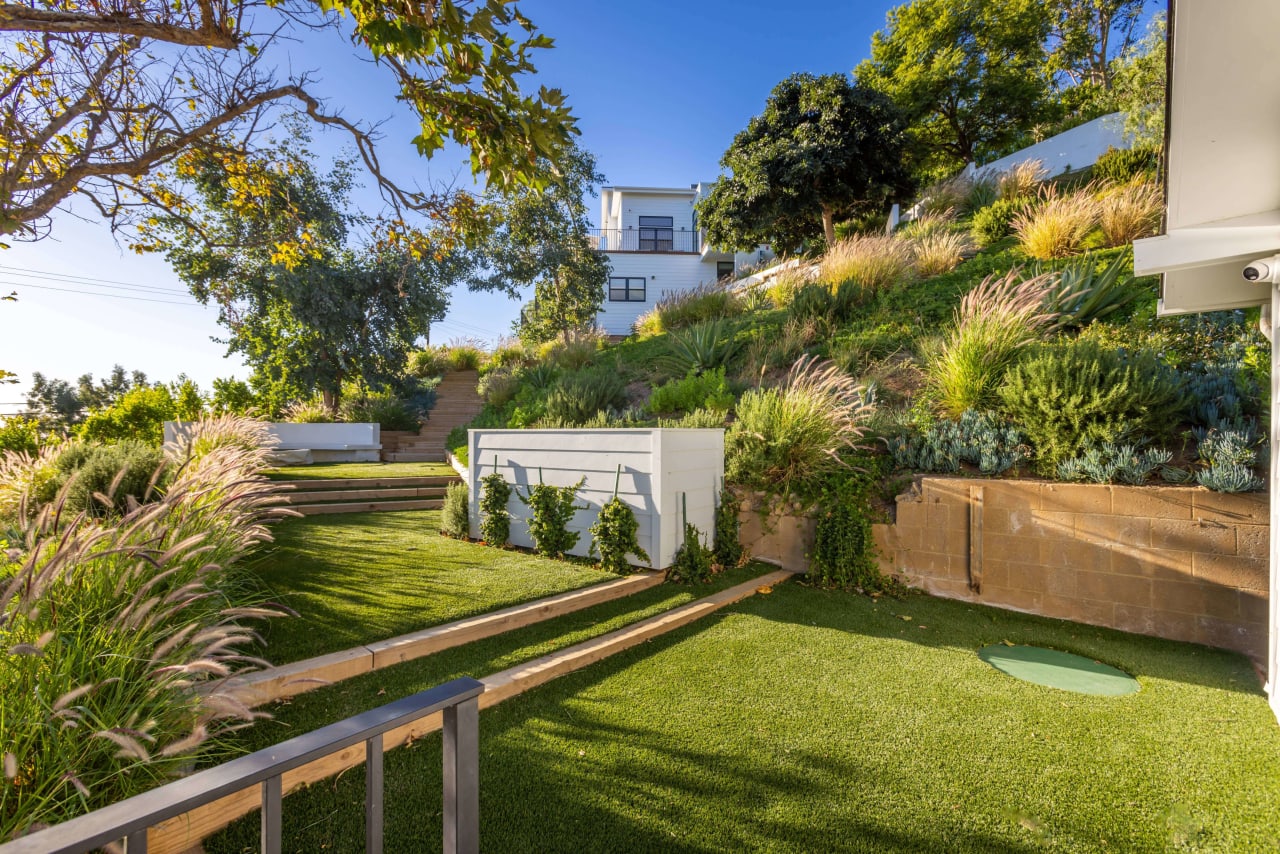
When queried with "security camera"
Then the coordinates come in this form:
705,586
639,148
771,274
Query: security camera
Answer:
1263,270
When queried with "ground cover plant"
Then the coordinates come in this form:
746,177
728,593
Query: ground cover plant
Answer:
812,720
363,577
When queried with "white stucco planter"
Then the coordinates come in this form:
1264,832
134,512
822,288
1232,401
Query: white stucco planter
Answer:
308,443
663,471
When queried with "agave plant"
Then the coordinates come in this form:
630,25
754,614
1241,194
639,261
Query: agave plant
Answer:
702,347
1084,293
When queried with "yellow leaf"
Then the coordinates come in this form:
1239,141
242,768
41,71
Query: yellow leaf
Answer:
765,589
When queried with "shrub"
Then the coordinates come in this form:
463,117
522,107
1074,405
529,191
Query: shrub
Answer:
787,438
995,222
311,411
20,435
727,551
455,513
1021,180
27,482
463,355
783,348
993,323
551,510
1057,225
120,639
873,263
1068,397
699,419
231,397
577,397
138,414
427,363
941,252
703,347
1108,462
1083,293
614,536
1130,213
685,308
383,408
456,444
821,303
509,355
1122,165
573,356
984,189
782,289
843,551
707,391
692,561
498,387
98,479
495,519
977,438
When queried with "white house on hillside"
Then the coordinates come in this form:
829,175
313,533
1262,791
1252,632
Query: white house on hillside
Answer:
655,248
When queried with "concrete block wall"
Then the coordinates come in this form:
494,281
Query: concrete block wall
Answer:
1181,563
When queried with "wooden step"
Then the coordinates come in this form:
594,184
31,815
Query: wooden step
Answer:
369,506
301,484
296,498
186,831
412,457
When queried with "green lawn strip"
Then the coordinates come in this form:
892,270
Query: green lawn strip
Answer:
321,471
815,721
363,577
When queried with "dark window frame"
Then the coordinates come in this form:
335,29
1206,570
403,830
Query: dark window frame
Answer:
728,275
628,291
657,236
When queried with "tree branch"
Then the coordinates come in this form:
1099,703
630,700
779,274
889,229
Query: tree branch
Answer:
212,31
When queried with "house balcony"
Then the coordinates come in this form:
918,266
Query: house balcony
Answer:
663,241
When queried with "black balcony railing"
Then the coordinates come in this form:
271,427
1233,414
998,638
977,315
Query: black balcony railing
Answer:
644,240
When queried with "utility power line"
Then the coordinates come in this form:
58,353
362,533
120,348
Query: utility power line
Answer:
48,274
95,293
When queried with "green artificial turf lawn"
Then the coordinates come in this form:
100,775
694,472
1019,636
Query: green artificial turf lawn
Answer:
320,471
366,577
807,720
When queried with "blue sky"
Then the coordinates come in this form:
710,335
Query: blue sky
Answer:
660,88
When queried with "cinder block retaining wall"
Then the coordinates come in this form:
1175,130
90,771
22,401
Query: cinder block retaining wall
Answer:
1176,562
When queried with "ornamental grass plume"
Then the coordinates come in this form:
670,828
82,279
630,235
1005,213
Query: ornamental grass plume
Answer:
787,438
1130,213
1021,179
121,632
993,323
1057,225
872,262
940,252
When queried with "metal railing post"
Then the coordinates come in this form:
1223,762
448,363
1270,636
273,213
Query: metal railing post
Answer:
462,778
373,792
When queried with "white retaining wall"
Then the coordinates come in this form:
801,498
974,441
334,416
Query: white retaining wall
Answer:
326,442
1070,150
660,467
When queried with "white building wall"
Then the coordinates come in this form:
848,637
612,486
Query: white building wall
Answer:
662,472
678,207
663,274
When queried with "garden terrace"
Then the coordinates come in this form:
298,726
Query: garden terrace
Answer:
810,720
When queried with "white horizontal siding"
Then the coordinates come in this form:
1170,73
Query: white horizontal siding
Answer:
693,468
663,275
635,205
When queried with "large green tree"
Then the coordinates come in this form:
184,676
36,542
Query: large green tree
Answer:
823,149
102,100
541,241
348,309
969,75
1141,80
1087,36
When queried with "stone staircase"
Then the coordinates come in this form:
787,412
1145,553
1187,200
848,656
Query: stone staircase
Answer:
457,402
360,495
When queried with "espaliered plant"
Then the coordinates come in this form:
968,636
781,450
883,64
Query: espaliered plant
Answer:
614,534
495,519
552,508
728,551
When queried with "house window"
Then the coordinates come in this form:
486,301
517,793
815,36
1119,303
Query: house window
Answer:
657,233
724,269
626,289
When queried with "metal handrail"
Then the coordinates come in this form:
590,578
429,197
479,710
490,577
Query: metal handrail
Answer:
645,239
129,819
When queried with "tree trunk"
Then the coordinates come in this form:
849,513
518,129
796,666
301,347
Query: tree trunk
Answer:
330,399
829,225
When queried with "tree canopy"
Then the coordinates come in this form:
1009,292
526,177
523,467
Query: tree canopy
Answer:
350,308
101,101
969,75
823,149
541,240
